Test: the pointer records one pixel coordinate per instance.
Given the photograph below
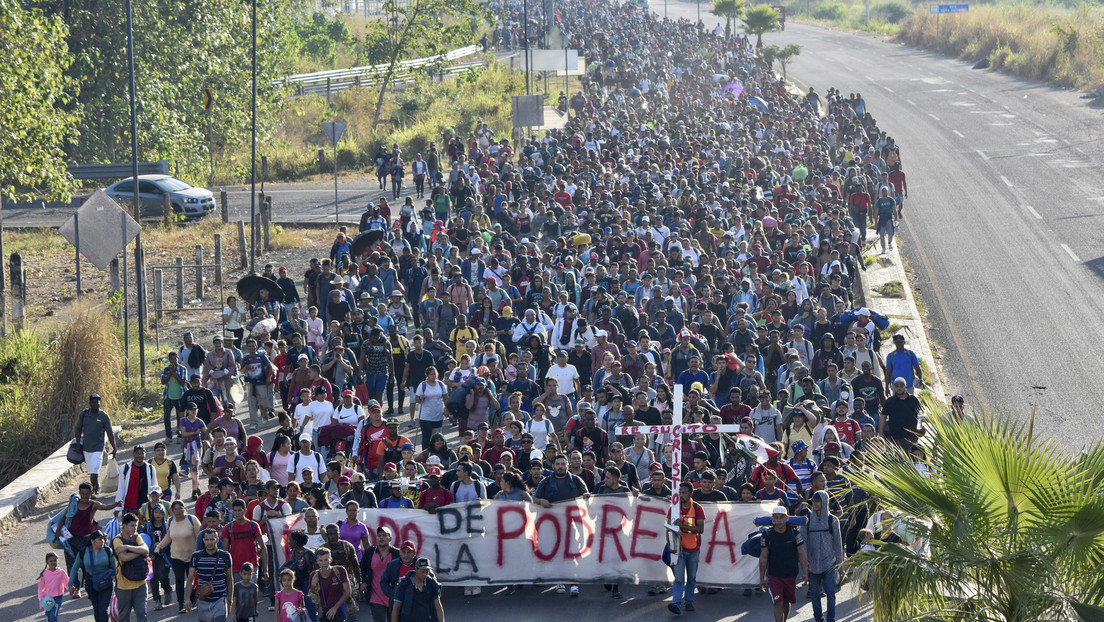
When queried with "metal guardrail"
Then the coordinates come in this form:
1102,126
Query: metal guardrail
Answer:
342,79
117,171
401,77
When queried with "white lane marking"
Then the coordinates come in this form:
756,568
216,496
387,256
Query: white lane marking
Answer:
1005,180
982,154
848,68
958,133
888,89
869,78
911,103
1033,212
933,116
1073,255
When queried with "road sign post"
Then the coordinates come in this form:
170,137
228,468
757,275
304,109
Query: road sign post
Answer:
333,131
209,105
940,9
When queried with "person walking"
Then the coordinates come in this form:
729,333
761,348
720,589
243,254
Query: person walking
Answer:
93,425
181,538
212,568
781,561
130,551
330,588
418,596
52,582
825,554
691,524
96,564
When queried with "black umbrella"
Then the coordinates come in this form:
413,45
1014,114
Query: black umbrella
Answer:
249,288
363,242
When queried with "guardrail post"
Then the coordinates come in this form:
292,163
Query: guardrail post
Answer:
166,210
321,160
19,289
158,294
179,282
218,260
241,244
356,81
199,271
224,204
113,269
329,86
266,222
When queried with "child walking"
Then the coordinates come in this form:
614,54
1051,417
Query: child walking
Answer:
52,582
290,602
245,596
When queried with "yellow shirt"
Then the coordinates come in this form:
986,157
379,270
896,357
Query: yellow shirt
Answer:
121,582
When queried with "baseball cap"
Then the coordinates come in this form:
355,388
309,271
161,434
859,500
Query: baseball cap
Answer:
348,392
407,447
391,422
434,460
303,357
390,465
536,455
799,445
305,436
423,564
230,440
498,432
434,471
344,480
780,510
357,477
408,544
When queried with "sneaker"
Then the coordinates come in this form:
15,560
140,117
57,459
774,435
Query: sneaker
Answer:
688,606
574,591
673,608
272,608
467,591
476,591
166,600
561,589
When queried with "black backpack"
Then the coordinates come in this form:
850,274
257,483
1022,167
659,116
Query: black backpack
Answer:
136,569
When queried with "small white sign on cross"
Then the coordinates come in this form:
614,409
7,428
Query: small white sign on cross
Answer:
676,430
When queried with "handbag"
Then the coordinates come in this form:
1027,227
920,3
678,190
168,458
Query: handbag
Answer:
204,590
75,455
101,579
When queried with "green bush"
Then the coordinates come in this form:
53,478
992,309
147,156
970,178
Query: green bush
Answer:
893,12
830,12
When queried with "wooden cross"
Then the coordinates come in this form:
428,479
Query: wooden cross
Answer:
676,430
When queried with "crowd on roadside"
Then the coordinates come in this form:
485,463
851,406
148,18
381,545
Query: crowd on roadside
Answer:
696,224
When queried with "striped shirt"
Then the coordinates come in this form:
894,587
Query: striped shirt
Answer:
212,568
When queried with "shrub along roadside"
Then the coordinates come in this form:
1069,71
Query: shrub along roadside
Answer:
412,117
1036,41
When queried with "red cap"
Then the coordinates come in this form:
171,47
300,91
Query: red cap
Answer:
390,465
498,432
348,392
408,544
434,470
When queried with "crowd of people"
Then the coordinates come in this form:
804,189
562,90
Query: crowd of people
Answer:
696,224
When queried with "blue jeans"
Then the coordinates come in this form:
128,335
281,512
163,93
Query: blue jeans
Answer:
823,582
687,567
52,614
101,601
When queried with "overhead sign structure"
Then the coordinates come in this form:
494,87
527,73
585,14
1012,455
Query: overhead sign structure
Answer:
334,130
553,60
104,229
942,9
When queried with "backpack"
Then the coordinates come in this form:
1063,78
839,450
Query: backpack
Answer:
456,400
136,569
753,546
391,453
479,486
104,579
64,518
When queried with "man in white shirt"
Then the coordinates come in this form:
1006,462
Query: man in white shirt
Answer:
565,374
303,459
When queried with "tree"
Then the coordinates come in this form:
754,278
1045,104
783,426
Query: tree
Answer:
758,20
180,47
728,9
1003,526
34,90
427,25
786,55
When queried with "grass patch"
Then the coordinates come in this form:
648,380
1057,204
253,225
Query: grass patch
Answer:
413,117
890,331
930,403
869,260
892,289
47,376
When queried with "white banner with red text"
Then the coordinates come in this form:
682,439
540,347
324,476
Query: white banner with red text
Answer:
598,540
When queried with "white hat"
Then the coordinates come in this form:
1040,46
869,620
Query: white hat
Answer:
434,460
536,454
155,489
780,510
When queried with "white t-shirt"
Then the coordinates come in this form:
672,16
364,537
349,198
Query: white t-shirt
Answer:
540,431
295,471
566,376
432,408
320,414
351,415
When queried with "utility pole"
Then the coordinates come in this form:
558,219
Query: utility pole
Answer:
139,260
253,157
525,16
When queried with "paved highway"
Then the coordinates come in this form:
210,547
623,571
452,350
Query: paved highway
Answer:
1003,230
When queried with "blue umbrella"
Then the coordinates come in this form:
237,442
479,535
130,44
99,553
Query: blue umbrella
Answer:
758,103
